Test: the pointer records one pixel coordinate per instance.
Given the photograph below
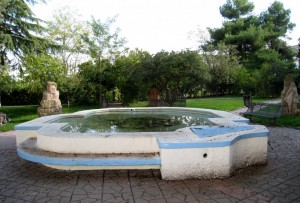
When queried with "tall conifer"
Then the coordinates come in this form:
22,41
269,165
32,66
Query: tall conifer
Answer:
20,31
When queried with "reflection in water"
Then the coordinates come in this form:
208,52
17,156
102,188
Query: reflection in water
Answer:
135,122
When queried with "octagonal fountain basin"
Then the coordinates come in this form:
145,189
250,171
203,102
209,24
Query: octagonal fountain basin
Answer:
183,143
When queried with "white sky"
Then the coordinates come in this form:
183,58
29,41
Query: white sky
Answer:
155,25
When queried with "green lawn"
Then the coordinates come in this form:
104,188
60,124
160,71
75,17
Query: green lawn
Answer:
229,104
283,121
20,114
139,104
289,121
219,103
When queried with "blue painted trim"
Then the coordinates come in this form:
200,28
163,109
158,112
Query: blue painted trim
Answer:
242,120
211,144
87,162
210,131
24,127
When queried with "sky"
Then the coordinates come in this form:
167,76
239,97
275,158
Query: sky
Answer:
155,25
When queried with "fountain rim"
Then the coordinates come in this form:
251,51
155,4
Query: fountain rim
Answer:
45,143
38,123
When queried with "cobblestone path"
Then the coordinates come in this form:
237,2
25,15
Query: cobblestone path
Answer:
279,181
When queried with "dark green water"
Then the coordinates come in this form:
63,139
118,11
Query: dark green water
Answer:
135,122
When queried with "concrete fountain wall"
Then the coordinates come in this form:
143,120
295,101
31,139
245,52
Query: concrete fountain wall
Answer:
191,152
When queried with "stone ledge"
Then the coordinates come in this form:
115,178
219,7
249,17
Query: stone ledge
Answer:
28,150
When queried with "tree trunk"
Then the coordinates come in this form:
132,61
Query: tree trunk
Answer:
100,95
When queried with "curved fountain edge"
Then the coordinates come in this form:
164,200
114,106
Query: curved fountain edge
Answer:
183,154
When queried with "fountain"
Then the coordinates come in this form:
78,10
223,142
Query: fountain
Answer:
184,143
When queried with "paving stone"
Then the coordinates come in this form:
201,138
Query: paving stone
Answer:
13,200
113,197
78,197
278,181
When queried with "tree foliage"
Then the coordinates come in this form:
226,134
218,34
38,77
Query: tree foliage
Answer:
223,66
6,82
103,45
67,31
235,9
248,53
277,20
171,72
102,41
39,69
20,31
127,75
258,41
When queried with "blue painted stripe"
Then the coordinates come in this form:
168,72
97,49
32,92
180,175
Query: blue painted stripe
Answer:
27,127
88,162
210,131
165,145
242,120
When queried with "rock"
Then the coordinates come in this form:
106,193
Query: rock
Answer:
50,104
290,97
3,118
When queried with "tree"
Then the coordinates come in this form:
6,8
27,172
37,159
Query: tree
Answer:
257,39
251,33
66,31
240,29
3,5
170,71
5,81
88,76
173,73
127,75
19,31
277,20
70,89
39,69
235,9
103,44
223,66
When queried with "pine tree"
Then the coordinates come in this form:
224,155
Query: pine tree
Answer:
259,41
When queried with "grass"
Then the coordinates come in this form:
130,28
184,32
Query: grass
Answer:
288,121
232,103
20,114
283,121
138,104
219,103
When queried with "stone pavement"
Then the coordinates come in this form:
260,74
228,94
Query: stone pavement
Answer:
244,109
279,181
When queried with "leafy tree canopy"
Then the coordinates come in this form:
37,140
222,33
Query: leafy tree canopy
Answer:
67,31
224,67
19,31
103,46
250,33
171,71
39,69
259,43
